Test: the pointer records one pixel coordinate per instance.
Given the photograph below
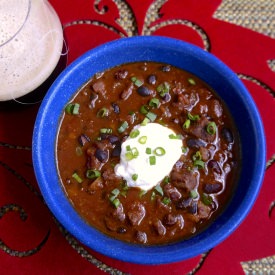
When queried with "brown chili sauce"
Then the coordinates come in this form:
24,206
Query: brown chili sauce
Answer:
101,116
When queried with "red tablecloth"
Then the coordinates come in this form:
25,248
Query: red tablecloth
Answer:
242,34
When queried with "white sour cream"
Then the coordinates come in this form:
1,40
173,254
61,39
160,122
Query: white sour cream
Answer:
137,162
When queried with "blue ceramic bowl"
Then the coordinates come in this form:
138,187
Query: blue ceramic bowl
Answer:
182,55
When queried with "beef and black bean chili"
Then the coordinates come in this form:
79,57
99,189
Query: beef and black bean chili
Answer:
147,153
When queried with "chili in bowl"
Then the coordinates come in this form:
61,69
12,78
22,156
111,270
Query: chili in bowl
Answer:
141,150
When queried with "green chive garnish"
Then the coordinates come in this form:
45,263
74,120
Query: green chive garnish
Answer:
148,151
124,125
144,109
199,163
136,81
106,130
166,201
193,117
135,177
163,89
186,124
154,102
159,189
191,81
152,160
142,140
103,112
211,128
92,174
152,117
145,121
194,194
72,109
77,177
134,133
159,151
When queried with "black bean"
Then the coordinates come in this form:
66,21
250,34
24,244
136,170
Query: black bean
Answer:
83,139
117,150
227,135
210,188
116,108
195,143
112,138
166,68
152,79
214,165
184,203
121,230
193,208
144,91
101,155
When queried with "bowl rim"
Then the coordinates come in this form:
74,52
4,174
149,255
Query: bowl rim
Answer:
47,179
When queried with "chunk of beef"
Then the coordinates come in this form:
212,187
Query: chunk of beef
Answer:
141,237
159,227
127,92
172,219
198,129
136,213
210,188
172,192
96,185
183,179
203,211
114,219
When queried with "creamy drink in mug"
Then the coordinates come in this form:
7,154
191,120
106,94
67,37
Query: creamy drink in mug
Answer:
31,40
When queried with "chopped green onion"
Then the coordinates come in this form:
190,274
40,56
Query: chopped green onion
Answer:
154,102
103,112
115,192
148,151
152,160
207,199
191,81
136,81
77,177
184,150
159,189
128,148
124,125
152,117
166,201
166,180
186,124
153,196
163,88
144,109
115,202
135,177
199,163
159,151
193,117
194,194
72,109
129,155
142,140
172,136
106,130
135,152
134,133
145,121
92,174
142,193
132,153
211,128
78,151
197,156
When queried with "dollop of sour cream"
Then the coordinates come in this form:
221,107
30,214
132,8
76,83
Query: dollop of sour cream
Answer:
148,155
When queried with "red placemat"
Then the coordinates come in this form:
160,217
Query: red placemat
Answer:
241,34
